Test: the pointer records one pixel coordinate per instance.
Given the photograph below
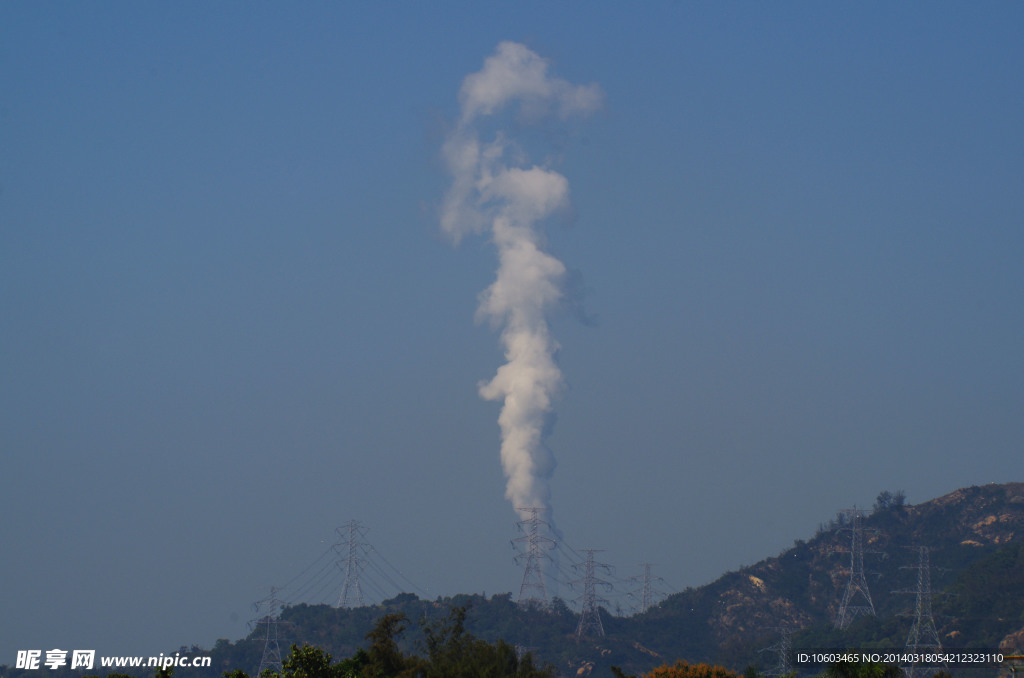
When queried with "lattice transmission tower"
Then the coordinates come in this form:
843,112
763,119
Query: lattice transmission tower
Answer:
590,616
857,597
352,549
648,594
533,551
267,611
923,637
783,650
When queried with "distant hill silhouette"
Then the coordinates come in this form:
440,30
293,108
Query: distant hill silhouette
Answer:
976,537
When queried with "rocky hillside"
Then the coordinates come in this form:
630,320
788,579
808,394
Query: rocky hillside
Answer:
975,535
976,541
801,588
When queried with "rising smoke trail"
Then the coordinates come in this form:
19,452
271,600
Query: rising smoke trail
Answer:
491,196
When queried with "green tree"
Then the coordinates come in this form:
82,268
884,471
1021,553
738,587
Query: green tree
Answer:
313,662
889,501
308,662
454,653
384,659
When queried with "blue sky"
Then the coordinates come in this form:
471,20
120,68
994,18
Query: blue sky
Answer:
229,321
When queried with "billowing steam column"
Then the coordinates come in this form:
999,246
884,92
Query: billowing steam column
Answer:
496,192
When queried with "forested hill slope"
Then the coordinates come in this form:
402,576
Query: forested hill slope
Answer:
975,540
975,537
801,588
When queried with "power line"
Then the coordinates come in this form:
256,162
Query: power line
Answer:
398,572
563,568
308,568
313,586
351,566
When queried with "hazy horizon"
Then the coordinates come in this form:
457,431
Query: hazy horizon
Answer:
231,320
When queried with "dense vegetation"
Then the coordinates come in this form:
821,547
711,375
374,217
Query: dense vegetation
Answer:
976,536
451,653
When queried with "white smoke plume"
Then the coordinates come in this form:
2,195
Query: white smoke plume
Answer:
491,195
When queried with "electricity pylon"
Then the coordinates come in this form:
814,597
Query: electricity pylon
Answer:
267,611
784,652
856,598
590,617
923,637
533,589
648,594
351,533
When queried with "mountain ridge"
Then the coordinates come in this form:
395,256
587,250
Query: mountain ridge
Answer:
976,541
